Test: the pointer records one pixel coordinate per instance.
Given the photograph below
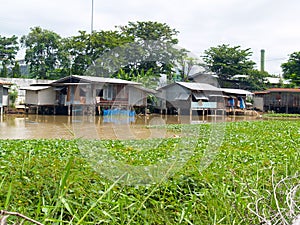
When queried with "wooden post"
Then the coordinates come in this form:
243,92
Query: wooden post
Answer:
287,104
69,110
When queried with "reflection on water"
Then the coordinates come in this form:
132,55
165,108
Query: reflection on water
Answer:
100,127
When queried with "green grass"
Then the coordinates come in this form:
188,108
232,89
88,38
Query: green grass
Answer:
249,181
280,115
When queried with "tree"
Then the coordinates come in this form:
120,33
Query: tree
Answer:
228,61
84,49
186,64
256,80
149,30
4,71
8,50
154,48
291,69
16,71
42,47
13,95
145,78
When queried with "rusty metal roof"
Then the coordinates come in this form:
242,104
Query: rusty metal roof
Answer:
283,90
5,83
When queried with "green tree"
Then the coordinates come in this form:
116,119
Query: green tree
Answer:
149,30
16,71
42,47
256,80
8,50
228,61
85,49
4,71
291,68
185,64
154,48
145,78
13,95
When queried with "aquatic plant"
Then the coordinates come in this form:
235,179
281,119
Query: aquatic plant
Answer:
253,180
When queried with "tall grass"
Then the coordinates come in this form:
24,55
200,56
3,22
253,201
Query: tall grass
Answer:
253,180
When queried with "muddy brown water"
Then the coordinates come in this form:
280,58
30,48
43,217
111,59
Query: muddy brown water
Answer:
100,127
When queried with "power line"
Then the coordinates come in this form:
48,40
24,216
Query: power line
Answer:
275,59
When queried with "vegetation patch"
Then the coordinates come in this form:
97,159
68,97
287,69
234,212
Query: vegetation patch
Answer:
252,180
280,115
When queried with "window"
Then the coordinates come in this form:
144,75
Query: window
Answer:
99,93
111,92
82,92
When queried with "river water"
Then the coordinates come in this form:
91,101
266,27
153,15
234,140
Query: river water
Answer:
99,127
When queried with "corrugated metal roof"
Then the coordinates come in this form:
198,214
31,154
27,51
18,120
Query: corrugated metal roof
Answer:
236,91
5,83
99,80
35,88
183,96
222,96
276,80
200,96
42,83
261,92
283,90
146,89
199,86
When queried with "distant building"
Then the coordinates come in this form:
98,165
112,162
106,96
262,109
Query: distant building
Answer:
22,83
280,100
277,81
4,99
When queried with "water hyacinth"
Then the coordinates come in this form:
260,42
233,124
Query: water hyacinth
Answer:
252,179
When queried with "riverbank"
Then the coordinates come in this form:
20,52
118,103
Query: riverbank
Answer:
250,178
281,116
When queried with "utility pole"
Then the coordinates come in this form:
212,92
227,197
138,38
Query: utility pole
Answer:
92,19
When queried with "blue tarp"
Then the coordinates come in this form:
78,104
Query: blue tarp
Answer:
118,120
242,103
110,112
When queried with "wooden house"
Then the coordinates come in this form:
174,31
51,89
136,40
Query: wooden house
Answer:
186,97
40,99
86,93
236,98
281,100
4,99
21,84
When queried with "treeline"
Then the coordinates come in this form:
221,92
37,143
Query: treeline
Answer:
145,47
138,51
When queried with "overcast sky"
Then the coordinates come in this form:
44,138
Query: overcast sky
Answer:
272,25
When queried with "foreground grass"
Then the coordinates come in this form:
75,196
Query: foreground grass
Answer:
252,180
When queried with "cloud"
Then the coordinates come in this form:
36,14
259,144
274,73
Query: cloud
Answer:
257,24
